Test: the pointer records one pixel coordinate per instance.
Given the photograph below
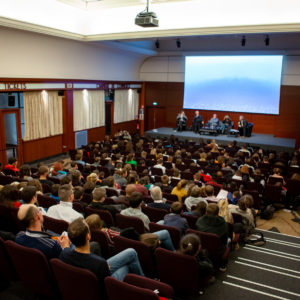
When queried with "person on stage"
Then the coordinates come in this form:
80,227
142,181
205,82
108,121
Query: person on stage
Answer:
242,126
181,121
197,121
226,124
213,123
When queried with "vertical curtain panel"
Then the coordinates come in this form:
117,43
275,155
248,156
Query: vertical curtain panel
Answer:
42,114
126,105
88,109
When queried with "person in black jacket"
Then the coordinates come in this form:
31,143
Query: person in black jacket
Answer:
242,126
181,121
197,122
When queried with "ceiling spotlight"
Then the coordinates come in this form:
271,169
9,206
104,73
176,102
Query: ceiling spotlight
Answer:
157,44
178,43
243,41
267,40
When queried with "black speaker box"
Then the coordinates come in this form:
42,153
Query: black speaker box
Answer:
11,100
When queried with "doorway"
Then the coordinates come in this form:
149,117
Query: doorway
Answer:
108,105
11,137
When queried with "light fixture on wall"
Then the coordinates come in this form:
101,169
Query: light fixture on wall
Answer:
243,41
157,45
267,40
178,43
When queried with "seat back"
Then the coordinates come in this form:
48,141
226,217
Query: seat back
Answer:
237,218
293,187
170,197
126,221
191,219
174,232
100,237
45,201
164,289
75,283
105,215
154,214
111,193
78,207
255,196
57,226
273,180
32,268
7,271
8,219
273,193
143,251
156,171
117,290
178,270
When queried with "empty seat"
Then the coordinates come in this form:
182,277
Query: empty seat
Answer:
55,225
154,214
125,222
45,201
105,215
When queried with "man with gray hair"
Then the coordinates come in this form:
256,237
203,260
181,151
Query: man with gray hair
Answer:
159,201
64,210
32,217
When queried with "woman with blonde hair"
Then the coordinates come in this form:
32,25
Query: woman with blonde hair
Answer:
180,190
93,178
224,211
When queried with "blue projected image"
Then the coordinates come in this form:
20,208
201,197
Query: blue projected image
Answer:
233,83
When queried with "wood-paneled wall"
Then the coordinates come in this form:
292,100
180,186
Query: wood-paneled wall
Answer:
169,95
96,134
40,148
130,126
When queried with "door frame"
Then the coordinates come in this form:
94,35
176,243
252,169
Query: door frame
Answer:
3,157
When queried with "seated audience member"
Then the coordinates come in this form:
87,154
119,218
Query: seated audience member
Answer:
34,237
110,183
242,126
25,172
209,189
93,178
120,177
130,160
211,222
76,178
179,190
277,174
12,166
57,170
226,124
159,165
213,123
43,172
89,187
117,266
29,196
135,209
224,211
78,195
164,185
79,158
95,223
197,122
194,198
174,218
199,210
66,180
190,245
243,209
9,196
181,121
158,200
98,202
54,192
237,175
74,167
140,188
64,210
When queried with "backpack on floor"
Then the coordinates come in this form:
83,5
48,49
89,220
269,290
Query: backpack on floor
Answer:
267,212
256,238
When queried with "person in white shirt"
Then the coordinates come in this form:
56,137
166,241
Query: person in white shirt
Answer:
159,165
64,210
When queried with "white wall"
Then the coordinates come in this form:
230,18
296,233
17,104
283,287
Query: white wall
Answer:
30,55
171,69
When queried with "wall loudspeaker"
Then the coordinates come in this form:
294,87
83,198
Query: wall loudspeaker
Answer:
11,100
61,93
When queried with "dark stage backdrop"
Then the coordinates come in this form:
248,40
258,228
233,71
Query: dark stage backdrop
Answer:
169,96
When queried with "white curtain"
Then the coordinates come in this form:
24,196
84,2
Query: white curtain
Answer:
42,114
126,105
88,109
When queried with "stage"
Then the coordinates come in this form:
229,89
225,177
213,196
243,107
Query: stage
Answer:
265,141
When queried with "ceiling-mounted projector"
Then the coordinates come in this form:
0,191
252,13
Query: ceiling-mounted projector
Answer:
146,18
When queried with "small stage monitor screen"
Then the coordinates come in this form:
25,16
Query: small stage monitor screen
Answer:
243,83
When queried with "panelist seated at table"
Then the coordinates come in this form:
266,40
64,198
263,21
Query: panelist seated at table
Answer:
197,122
226,124
214,122
242,126
181,121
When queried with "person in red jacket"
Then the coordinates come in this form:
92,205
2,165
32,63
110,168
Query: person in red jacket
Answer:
12,165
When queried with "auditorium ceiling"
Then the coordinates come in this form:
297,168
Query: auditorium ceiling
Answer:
201,25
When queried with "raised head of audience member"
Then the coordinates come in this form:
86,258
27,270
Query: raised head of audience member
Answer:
175,219
99,195
9,196
25,172
66,180
57,170
78,193
34,237
210,192
76,178
29,195
176,173
130,160
111,183
296,177
73,167
43,172
54,192
89,187
36,183
129,190
211,222
79,158
93,178
194,198
190,244
135,209
199,210
12,165
180,189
